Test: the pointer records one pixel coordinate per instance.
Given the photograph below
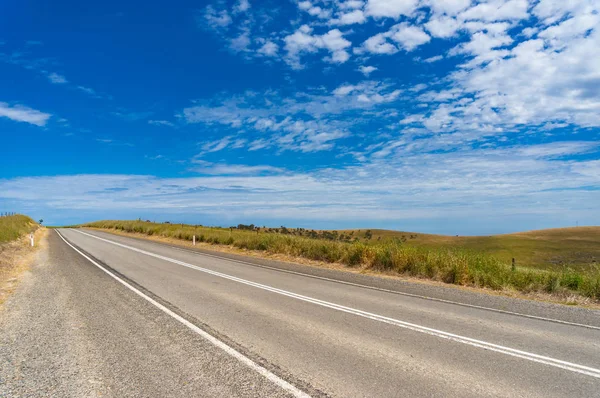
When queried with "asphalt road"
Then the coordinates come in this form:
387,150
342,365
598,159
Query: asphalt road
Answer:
116,316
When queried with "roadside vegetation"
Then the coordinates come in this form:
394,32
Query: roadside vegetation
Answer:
13,227
549,249
15,249
454,265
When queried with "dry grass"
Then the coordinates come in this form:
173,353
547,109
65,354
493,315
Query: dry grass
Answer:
453,265
15,258
576,248
13,227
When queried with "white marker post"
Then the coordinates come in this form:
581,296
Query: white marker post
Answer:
194,240
31,239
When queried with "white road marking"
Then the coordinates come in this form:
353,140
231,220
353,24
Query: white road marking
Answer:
573,367
479,307
218,343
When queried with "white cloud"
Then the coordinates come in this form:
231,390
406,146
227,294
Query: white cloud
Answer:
350,18
216,19
407,36
497,10
87,90
319,12
57,79
233,169
268,49
448,7
241,6
307,121
344,89
304,5
161,123
552,11
433,59
351,4
378,44
241,42
485,46
443,27
303,41
366,70
391,8
410,37
20,113
335,42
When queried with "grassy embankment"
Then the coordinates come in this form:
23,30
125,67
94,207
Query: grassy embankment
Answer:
13,227
467,266
15,249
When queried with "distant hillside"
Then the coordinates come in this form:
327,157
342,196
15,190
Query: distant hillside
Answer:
576,247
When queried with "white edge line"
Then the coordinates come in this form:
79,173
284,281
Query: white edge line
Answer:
480,307
218,343
573,367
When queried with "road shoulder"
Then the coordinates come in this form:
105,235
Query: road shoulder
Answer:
71,330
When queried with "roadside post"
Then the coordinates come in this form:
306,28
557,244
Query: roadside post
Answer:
31,238
194,240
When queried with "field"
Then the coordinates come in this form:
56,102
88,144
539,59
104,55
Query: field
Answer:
551,249
479,262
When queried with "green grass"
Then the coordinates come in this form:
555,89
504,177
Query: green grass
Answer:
456,264
13,227
549,249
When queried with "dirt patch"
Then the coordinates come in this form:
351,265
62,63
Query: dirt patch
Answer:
15,259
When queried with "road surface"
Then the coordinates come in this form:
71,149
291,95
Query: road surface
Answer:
106,315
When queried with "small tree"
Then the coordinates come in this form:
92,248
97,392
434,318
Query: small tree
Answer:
41,221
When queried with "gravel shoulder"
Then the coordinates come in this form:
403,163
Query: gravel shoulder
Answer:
69,330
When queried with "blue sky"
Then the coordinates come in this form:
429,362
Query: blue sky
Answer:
455,116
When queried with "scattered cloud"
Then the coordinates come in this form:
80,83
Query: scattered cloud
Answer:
209,168
366,70
241,6
161,123
214,19
57,79
20,113
433,59
269,49
436,188
87,90
303,41
308,122
391,8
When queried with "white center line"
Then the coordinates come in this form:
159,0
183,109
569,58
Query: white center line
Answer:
573,367
419,296
218,343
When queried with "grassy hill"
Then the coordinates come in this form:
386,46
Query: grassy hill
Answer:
13,227
576,248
